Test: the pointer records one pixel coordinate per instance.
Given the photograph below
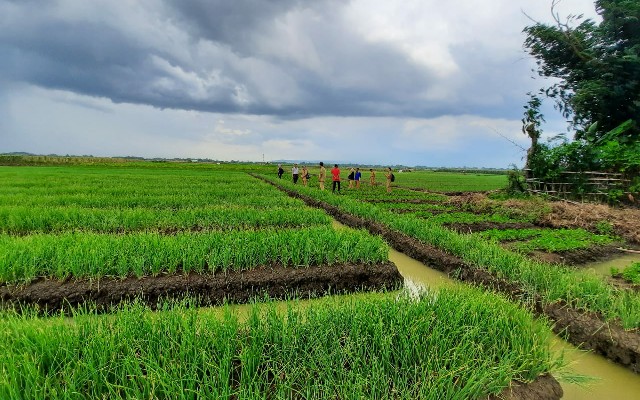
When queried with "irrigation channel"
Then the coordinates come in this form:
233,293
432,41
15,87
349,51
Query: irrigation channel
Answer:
612,381
604,267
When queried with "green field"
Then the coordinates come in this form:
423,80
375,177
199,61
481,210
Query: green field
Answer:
450,181
445,345
583,290
147,219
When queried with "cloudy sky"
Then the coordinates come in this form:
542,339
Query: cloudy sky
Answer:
414,82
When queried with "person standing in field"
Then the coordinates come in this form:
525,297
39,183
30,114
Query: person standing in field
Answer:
351,177
280,171
321,175
390,178
295,173
372,178
335,176
357,177
305,175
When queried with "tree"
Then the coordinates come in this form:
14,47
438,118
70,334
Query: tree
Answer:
595,82
531,122
596,67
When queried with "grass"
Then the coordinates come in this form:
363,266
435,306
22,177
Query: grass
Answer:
630,273
549,240
412,207
443,345
552,283
86,254
451,181
464,217
24,219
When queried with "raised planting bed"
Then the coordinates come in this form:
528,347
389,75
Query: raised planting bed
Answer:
561,246
22,220
276,282
442,345
91,255
547,287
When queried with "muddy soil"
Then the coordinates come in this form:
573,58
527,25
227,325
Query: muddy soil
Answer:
485,226
609,340
577,257
623,284
624,221
544,387
234,287
593,333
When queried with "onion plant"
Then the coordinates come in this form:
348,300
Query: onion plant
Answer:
87,254
552,283
447,344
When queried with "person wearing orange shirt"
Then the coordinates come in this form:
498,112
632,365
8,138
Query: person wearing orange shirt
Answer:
335,175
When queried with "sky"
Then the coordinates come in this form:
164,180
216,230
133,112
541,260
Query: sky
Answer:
413,82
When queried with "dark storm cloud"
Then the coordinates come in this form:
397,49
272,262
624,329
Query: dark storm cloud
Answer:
234,23
221,56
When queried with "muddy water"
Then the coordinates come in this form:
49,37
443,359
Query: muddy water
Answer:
612,381
604,267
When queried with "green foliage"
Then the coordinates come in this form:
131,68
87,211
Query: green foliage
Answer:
25,258
596,66
550,282
464,217
563,240
447,182
516,182
444,345
612,153
22,220
632,273
92,221
604,227
596,70
551,240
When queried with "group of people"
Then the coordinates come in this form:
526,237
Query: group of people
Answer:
354,177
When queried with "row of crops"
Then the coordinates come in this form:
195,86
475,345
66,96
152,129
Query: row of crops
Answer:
552,283
451,181
67,223
449,345
436,209
107,238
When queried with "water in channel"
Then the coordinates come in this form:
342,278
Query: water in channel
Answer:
604,267
612,381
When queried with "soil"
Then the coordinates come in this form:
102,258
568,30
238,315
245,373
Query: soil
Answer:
592,333
544,387
624,221
609,339
485,226
623,284
577,257
234,287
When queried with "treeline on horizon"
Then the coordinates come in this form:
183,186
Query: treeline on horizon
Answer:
28,159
